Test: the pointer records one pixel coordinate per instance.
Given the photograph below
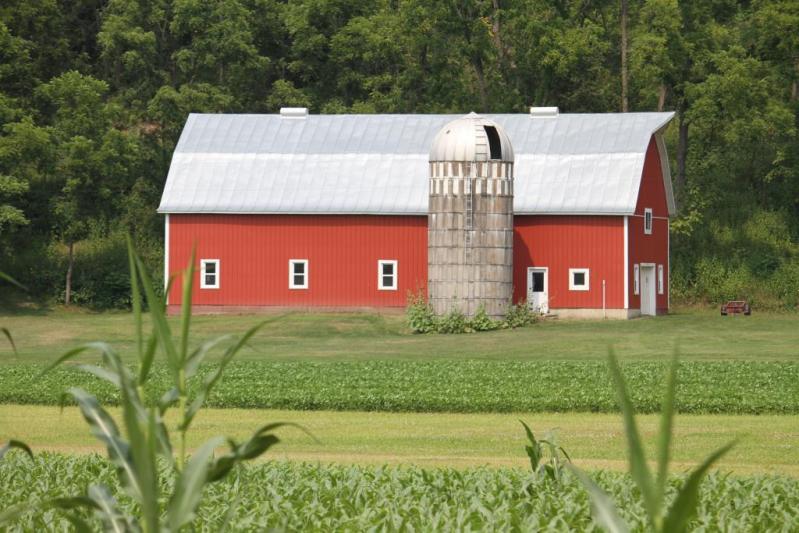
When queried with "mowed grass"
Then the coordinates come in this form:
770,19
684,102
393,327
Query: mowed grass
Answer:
595,441
701,334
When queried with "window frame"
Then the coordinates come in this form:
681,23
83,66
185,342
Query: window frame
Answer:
648,216
305,274
637,279
394,276
661,287
203,263
582,288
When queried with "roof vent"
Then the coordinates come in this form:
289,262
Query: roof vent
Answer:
293,112
544,112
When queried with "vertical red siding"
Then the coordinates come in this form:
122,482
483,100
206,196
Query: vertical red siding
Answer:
342,253
561,242
652,248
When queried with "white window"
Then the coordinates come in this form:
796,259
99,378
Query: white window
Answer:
298,273
578,279
209,273
636,279
660,279
387,275
648,221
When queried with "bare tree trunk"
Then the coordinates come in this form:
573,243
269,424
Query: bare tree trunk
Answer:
624,102
682,155
662,96
505,56
70,262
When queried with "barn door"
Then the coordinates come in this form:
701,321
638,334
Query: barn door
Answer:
648,297
538,289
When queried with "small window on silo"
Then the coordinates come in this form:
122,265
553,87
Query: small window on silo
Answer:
493,142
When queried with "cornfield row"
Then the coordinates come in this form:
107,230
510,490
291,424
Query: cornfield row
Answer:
299,496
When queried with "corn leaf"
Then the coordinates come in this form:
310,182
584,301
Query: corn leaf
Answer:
135,300
107,509
602,507
158,317
15,444
185,308
105,429
684,506
210,381
12,281
533,449
102,373
638,467
189,487
10,340
666,427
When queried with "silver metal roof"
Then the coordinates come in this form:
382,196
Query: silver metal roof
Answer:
378,164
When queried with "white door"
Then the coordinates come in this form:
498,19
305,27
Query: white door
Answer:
648,289
537,289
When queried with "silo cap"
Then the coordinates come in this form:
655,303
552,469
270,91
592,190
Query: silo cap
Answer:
472,138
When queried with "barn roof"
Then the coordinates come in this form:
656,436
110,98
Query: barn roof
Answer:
378,164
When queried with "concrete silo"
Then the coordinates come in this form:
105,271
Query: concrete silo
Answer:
470,217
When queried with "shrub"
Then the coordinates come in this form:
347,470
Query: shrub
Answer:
482,322
453,322
421,318
519,315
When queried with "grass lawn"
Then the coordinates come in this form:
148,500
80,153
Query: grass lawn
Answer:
769,444
702,335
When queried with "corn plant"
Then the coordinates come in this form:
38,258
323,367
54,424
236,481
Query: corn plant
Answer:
547,457
146,439
653,488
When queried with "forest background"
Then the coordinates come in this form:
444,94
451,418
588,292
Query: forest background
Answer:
94,93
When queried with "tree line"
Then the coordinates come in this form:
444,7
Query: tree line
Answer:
94,93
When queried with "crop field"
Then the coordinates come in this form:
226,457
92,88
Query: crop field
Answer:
313,497
421,431
450,386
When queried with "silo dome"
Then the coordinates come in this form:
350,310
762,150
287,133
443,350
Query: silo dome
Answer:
471,138
470,218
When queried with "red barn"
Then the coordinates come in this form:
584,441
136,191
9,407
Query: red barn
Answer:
331,211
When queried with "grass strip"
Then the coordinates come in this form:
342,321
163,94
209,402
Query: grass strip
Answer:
729,387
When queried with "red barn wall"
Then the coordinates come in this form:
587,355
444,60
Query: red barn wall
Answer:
342,253
652,248
561,242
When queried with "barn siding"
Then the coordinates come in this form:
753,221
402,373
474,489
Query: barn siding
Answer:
561,242
342,253
650,248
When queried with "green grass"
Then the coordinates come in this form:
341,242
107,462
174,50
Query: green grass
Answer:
768,442
703,335
449,386
313,497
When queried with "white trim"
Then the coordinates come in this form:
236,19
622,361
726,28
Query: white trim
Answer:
636,279
203,284
626,263
166,253
648,211
572,286
668,262
394,275
665,170
660,279
293,262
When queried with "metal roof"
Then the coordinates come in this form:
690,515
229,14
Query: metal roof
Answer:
378,164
